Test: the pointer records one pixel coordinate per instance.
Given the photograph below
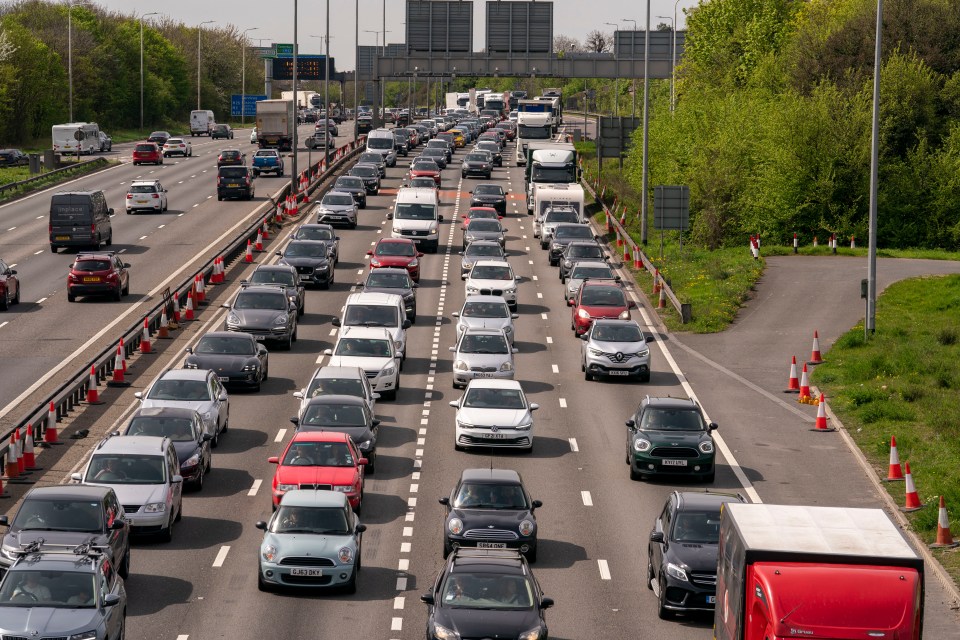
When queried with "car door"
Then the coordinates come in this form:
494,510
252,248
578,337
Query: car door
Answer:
356,456
222,407
163,196
109,583
662,525
121,271
117,537
176,488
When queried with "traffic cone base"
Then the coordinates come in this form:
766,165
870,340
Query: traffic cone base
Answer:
912,501
793,383
895,472
944,539
804,387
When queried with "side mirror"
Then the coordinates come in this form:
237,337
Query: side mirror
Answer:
111,600
110,210
584,337
631,424
569,302
439,218
369,253
713,426
261,525
416,285
224,306
389,217
534,406
138,395
452,349
455,314
190,350
295,420
406,324
455,403
631,304
537,504
273,460
206,437
5,521
116,525
546,603
650,339
420,254
363,462
375,422
376,396
278,253
656,536
177,479
427,598
360,528
298,395
444,500
126,265
328,352
76,477
617,279
223,397
335,322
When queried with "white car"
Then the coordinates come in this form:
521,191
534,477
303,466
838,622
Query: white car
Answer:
371,349
146,195
341,381
493,278
480,354
177,147
494,413
253,136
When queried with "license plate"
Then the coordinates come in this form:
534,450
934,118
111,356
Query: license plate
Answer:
306,572
617,372
483,375
143,202
491,545
63,237
496,436
224,378
674,463
231,186
259,337
711,599
91,279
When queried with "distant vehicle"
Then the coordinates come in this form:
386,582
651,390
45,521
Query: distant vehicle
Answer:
146,195
235,182
177,147
9,286
224,131
275,123
267,161
159,137
147,152
13,158
80,218
201,122
106,142
231,157
82,138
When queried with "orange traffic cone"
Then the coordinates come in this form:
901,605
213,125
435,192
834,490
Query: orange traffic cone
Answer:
50,429
815,357
29,455
804,386
264,229
656,281
896,472
163,331
11,469
176,310
793,384
626,252
945,539
215,274
93,395
122,352
249,255
119,367
662,302
188,312
259,245
21,463
821,424
294,209
145,347
912,502
199,296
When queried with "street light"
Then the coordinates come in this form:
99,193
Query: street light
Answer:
673,58
154,13
616,81
199,31
870,319
70,5
243,73
356,64
633,39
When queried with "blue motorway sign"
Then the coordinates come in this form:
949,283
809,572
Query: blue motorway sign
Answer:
249,104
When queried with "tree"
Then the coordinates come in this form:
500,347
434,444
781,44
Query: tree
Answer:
562,44
598,42
7,48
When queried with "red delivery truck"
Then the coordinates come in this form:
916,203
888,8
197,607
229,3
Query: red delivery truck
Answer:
815,572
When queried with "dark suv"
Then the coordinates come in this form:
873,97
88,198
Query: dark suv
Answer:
98,274
682,553
69,514
481,589
231,157
13,158
670,437
222,131
235,182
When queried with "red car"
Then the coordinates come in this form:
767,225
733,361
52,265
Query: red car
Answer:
480,212
100,273
9,286
320,460
147,152
508,128
396,252
425,169
598,300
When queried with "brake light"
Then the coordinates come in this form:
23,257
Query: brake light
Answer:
49,228
129,196
155,196
93,229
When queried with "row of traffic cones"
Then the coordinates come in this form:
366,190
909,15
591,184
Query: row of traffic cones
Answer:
895,473
20,460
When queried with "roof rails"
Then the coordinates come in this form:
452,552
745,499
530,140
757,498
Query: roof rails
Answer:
85,549
473,552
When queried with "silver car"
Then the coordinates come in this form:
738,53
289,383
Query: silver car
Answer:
544,226
588,269
482,353
197,389
483,229
494,413
345,381
337,207
615,348
479,250
486,312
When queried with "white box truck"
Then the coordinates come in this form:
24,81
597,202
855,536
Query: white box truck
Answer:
202,122
275,123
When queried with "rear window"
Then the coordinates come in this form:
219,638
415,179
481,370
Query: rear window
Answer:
233,172
91,265
143,188
146,147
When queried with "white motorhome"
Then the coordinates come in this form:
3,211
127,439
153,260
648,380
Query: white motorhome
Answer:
202,122
555,195
82,138
416,216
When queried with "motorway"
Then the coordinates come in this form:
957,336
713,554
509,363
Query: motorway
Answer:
595,520
44,328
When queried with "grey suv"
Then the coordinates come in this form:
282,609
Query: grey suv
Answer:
265,312
615,348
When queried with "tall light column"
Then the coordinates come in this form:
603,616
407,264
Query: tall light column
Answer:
356,64
383,52
673,60
326,86
616,81
199,31
154,13
633,80
646,131
870,321
70,5
296,121
243,73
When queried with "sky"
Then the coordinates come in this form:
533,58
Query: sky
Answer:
273,20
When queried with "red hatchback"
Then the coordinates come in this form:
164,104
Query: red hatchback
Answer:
397,252
147,152
320,460
425,169
598,300
480,212
102,273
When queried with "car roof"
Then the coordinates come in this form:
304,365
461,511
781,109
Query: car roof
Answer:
396,241
316,498
491,475
47,560
584,243
704,500
484,298
336,399
329,371
483,331
670,403
601,283
393,270
271,288
593,263
416,193
141,445
375,297
319,436
494,383
147,183
168,412
95,255
69,491
495,560
616,322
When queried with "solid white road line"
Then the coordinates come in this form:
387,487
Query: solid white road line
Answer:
221,556
255,488
3,324
587,500
41,300
604,569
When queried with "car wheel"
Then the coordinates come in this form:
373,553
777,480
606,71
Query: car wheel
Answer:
662,612
216,439
351,586
166,535
326,285
198,483
118,294
634,474
288,345
179,511
16,298
110,238
532,555
126,289
124,569
53,248
71,297
587,375
266,372
650,575
371,467
219,197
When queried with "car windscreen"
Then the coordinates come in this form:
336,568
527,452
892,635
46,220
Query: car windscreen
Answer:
380,143
491,398
603,297
487,591
584,251
363,348
672,420
557,217
489,146
318,454
477,157
485,310
425,165
261,300
538,132
427,183
491,272
402,249
617,333
91,265
176,428
265,154
349,183
591,272
484,344
108,468
344,415
488,190
575,232
480,495
338,200
180,390
372,158
273,276
306,250
319,521
388,280
371,315
484,224
414,211
476,214
143,188
62,514
31,588
335,387
365,172
487,250
228,345
697,527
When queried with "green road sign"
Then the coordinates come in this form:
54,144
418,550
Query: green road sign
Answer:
284,49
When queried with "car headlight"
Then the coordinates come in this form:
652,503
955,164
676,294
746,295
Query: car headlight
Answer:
389,371
286,487
472,289
192,461
510,291
343,488
676,571
84,635
526,528
641,445
269,552
460,365
595,352
442,633
233,319
345,555
154,507
524,427
374,262
643,353
249,367
582,313
434,229
323,267
624,315
455,526
532,634
280,320
567,263
706,447
189,365
464,425
10,553
414,263
506,366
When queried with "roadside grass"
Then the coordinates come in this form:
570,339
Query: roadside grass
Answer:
46,181
905,382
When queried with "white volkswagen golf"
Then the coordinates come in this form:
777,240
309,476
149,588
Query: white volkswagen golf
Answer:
494,413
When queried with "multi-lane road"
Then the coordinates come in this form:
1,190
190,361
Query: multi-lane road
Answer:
595,521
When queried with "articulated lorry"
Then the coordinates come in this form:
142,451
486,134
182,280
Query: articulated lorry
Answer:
789,572
275,123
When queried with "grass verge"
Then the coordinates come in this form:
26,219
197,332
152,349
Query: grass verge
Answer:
905,382
46,181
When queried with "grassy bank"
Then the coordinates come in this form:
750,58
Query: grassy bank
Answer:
904,382
15,174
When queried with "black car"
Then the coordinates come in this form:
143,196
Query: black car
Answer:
490,509
486,593
224,131
564,234
235,182
13,158
682,553
285,276
236,358
437,155
443,145
160,137
489,195
370,157
312,261
364,124
346,414
265,312
401,142
354,186
69,514
320,233
477,163
185,429
396,281
577,251
493,148
370,175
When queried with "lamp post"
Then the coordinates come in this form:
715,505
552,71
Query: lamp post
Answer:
673,59
296,122
153,13
616,81
356,64
326,87
870,321
243,73
644,192
199,31
634,80
70,5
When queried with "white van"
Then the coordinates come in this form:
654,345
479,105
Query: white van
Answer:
416,216
201,122
382,141
374,309
76,137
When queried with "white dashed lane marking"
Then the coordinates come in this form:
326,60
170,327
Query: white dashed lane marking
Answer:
555,368
280,435
41,300
255,488
587,499
573,445
604,569
563,403
221,556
